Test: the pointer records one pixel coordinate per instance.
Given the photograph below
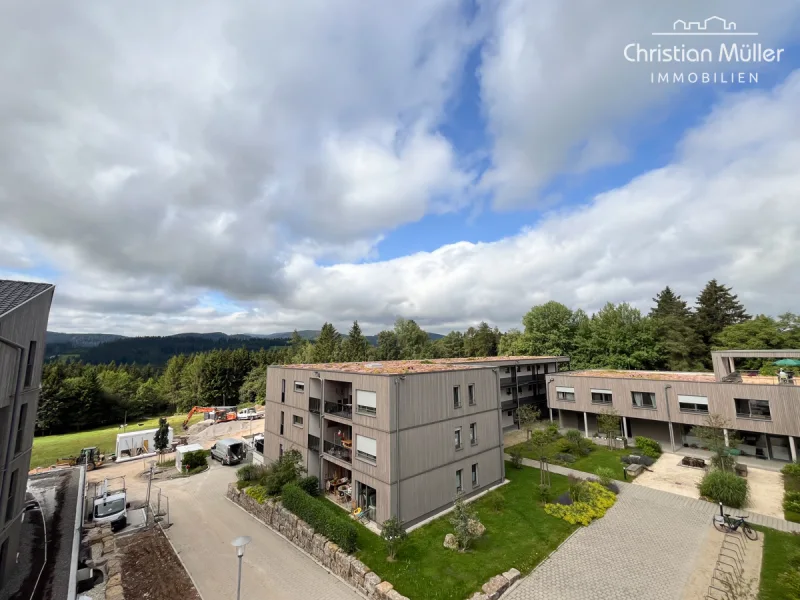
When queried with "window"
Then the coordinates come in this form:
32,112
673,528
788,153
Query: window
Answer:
693,404
23,417
366,403
519,368
510,413
458,438
475,475
601,396
283,390
529,369
752,409
566,394
459,489
297,420
456,397
282,422
643,399
12,494
473,433
471,394
506,370
508,391
280,450
299,387
29,368
366,449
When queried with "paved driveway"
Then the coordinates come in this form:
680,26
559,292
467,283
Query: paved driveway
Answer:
645,547
205,522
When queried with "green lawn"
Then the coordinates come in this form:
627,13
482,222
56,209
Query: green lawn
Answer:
781,551
791,484
599,457
48,449
520,536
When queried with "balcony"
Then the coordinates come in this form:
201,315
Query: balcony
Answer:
339,409
313,443
314,405
338,451
521,379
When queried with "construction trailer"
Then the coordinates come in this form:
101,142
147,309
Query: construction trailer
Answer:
138,444
181,450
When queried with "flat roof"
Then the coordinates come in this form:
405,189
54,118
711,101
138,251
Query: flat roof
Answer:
653,375
392,367
758,353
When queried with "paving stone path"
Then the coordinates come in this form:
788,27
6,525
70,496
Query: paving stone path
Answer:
644,547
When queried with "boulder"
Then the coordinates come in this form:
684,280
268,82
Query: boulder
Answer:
634,470
495,587
450,542
478,596
477,527
371,582
512,575
114,593
395,595
97,551
113,567
382,590
114,580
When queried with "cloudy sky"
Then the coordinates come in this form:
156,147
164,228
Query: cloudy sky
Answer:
259,166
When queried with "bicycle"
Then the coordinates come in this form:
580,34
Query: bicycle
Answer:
728,524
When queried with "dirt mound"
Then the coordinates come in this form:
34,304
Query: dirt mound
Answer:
200,426
232,429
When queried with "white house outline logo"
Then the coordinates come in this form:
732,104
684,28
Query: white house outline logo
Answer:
707,27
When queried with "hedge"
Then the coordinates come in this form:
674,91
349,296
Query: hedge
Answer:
725,487
339,529
195,459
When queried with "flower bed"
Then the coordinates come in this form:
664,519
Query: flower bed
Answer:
594,501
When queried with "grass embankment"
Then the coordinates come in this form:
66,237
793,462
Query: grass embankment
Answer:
519,536
780,576
600,456
791,487
48,449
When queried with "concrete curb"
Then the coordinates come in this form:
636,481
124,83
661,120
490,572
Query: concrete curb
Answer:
296,547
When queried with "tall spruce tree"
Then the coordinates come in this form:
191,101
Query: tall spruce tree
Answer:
356,347
680,345
717,308
328,346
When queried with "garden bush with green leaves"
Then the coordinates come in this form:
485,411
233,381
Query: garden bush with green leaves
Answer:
725,487
791,501
257,493
195,460
647,446
590,501
336,526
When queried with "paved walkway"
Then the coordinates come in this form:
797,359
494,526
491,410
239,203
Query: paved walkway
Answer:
698,505
205,522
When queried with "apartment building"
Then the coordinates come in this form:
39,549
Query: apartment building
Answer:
24,311
765,411
401,438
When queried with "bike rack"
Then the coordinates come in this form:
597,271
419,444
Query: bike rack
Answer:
729,569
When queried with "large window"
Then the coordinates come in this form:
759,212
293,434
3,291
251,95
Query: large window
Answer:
643,399
566,394
456,397
12,494
471,394
366,449
475,475
473,433
297,420
459,487
29,366
752,409
23,418
458,438
601,396
366,403
693,404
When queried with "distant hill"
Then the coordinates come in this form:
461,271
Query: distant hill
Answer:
81,340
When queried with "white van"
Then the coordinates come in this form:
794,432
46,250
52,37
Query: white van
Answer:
229,451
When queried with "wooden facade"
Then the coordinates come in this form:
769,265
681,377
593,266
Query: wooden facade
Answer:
22,325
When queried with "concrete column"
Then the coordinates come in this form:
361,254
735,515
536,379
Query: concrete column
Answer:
586,424
792,449
725,432
671,436
551,414
625,427
560,420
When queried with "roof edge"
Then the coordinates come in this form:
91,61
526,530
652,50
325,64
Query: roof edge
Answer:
50,287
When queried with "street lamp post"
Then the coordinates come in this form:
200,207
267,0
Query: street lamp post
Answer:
240,543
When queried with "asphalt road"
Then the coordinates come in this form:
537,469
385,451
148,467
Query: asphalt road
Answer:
205,523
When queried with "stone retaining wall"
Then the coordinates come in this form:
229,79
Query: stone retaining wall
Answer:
329,555
103,548
496,586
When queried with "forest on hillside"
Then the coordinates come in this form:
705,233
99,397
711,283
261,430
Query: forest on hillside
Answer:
672,336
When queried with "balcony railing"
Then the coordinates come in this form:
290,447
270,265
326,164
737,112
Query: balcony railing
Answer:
524,379
340,410
752,415
314,405
313,443
338,451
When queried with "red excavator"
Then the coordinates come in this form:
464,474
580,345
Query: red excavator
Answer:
220,415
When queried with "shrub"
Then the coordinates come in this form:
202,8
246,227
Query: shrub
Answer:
577,489
791,470
723,462
258,493
466,526
193,460
310,485
497,501
562,445
564,499
250,472
552,430
339,529
791,501
393,531
544,492
605,475
573,436
286,469
563,457
648,446
596,501
725,487
516,457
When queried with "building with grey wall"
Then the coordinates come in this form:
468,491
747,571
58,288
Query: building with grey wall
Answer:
24,311
763,410
407,435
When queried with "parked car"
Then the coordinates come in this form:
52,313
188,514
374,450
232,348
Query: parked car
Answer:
250,413
229,451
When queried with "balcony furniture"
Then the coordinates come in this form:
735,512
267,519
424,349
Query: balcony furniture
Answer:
347,444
